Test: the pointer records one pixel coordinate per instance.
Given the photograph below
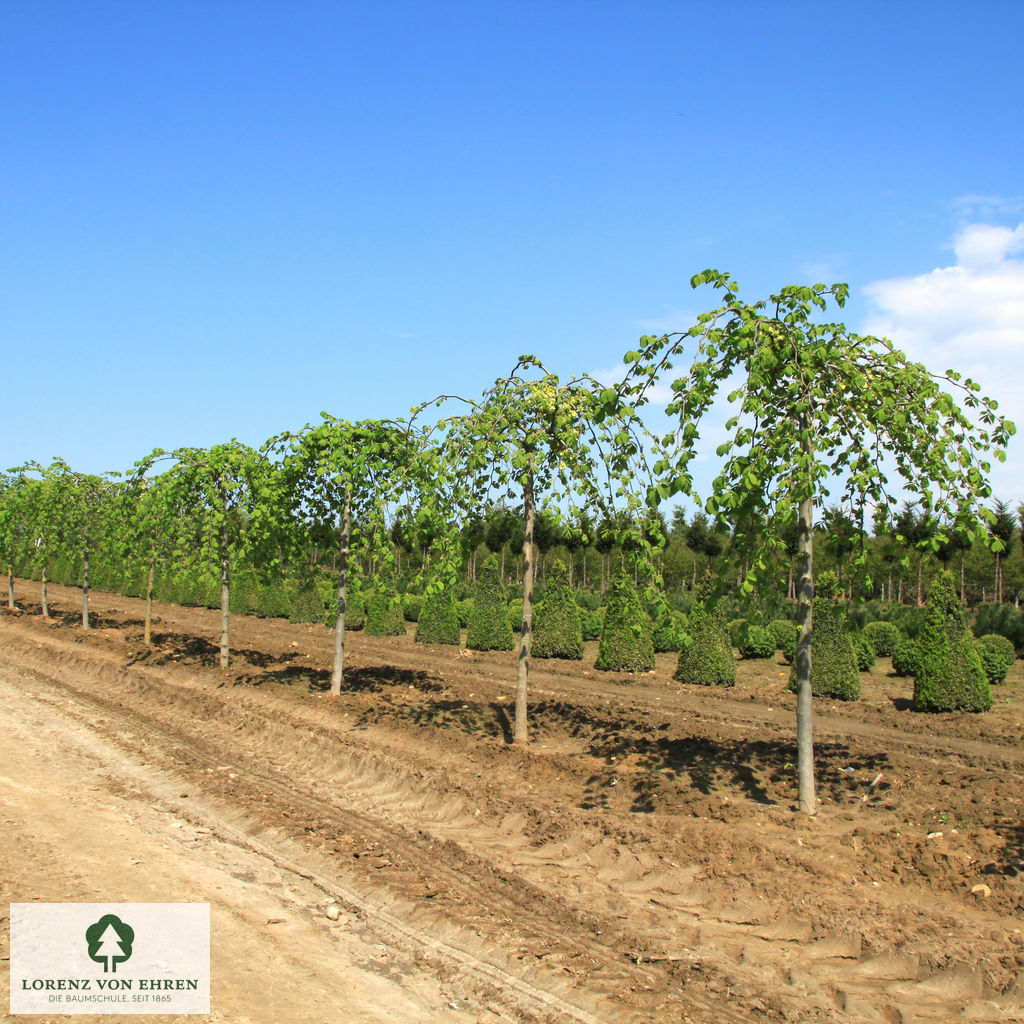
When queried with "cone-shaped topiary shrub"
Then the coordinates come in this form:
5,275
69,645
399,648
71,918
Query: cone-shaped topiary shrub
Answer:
438,621
997,656
950,675
306,603
489,628
883,637
383,612
626,638
708,659
355,611
834,671
557,630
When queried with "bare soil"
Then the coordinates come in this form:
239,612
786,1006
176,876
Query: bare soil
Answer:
641,861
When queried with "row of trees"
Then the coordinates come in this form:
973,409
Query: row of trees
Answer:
818,408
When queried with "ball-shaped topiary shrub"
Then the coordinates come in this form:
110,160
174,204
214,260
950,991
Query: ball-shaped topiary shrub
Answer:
905,657
557,630
883,636
997,656
489,628
383,611
757,642
786,633
626,638
438,620
834,671
950,675
515,614
707,660
866,656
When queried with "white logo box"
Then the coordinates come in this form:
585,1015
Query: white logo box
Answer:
69,958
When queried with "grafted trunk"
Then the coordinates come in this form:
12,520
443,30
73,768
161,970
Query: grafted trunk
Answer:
338,668
149,605
85,588
42,587
526,633
225,590
804,708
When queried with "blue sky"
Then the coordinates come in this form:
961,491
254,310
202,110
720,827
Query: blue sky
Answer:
221,218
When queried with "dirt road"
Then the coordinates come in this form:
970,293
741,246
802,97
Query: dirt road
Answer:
640,863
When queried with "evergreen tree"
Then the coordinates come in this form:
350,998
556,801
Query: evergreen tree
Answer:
383,612
438,621
950,675
488,628
626,639
708,660
834,671
558,632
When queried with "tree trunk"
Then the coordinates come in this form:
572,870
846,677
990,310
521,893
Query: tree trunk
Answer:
225,590
10,585
45,603
963,577
148,637
920,581
526,633
85,588
339,623
805,590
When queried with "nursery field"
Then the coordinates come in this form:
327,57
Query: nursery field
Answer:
641,861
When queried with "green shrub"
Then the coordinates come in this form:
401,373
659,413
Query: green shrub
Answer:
306,603
737,629
707,658
557,630
438,621
883,636
905,657
950,674
273,601
489,628
412,605
515,614
245,593
383,612
355,610
1003,619
464,608
866,656
626,638
592,623
757,642
834,670
667,636
997,656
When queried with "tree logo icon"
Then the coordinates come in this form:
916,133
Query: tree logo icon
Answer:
110,942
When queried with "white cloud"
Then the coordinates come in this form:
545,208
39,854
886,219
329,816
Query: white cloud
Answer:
968,317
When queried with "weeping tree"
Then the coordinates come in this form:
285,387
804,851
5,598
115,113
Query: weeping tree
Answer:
372,472
815,408
542,443
215,500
